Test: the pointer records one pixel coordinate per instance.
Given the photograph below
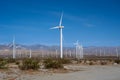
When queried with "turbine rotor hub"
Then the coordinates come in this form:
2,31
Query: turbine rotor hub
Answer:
61,27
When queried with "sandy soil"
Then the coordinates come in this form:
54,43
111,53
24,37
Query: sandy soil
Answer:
95,72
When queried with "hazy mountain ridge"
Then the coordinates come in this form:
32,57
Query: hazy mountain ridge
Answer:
89,49
39,46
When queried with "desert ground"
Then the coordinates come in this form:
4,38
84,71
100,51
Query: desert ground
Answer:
77,72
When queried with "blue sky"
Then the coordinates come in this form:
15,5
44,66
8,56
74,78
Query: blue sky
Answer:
92,22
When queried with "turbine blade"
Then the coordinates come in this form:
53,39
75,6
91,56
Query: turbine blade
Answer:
61,19
10,45
55,27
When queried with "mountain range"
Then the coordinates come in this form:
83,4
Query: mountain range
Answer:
87,50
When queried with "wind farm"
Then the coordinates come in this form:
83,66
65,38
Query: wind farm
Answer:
78,52
59,40
59,58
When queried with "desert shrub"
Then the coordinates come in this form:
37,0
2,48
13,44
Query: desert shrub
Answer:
79,61
64,61
50,63
90,63
1,59
103,63
11,60
2,64
85,60
17,62
117,61
95,60
110,60
29,64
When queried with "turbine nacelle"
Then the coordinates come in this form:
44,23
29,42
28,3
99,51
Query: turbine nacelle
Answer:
60,27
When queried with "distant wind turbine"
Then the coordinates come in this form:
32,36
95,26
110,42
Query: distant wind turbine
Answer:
117,52
100,52
79,50
56,53
60,27
14,48
104,52
70,54
30,55
76,51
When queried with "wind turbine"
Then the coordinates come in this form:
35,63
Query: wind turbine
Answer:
76,51
60,27
100,53
30,54
117,52
56,53
14,48
70,53
104,52
79,50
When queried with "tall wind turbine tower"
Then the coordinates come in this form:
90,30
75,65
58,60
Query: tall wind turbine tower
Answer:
100,52
14,50
30,55
117,52
60,27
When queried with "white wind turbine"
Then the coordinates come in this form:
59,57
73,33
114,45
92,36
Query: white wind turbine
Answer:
14,48
79,50
76,51
30,54
117,52
56,53
60,27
